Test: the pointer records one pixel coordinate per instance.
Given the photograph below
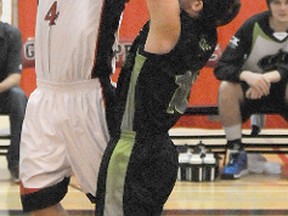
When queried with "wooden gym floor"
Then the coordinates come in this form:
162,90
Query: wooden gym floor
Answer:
254,194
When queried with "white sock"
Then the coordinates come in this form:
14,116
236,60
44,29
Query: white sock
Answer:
233,132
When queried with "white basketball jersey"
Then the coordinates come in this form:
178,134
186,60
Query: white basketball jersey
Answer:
68,36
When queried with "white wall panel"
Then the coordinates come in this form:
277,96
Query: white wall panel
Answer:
7,11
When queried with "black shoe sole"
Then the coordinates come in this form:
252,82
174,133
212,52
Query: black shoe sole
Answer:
228,177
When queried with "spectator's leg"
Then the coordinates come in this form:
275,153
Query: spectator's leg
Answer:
230,96
16,106
257,123
286,95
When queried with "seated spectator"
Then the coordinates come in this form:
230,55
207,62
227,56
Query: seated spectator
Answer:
12,98
254,71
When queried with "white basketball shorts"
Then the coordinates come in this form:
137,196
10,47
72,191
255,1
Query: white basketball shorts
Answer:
64,133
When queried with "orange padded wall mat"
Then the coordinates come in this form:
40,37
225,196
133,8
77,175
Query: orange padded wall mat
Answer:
204,91
26,22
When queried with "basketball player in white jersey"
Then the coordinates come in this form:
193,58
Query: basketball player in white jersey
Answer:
65,128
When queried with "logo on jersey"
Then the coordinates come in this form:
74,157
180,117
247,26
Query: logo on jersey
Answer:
272,62
214,57
179,100
204,45
234,42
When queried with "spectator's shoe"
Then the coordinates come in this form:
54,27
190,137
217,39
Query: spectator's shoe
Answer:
15,175
255,130
236,167
15,179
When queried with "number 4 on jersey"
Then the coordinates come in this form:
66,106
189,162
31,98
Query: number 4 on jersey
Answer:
52,14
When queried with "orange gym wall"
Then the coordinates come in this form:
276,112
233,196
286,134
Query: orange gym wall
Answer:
26,22
204,91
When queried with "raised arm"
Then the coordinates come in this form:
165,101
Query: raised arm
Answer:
164,27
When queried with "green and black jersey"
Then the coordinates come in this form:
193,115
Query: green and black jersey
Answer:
160,84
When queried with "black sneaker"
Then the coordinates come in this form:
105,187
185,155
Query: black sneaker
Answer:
15,175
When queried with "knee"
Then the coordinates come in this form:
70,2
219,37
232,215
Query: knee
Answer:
286,94
17,100
230,91
17,94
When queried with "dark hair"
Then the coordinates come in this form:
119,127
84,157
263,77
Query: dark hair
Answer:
220,12
268,4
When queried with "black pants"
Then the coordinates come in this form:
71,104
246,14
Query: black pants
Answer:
13,102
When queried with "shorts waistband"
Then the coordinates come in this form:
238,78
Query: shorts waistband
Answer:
73,85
